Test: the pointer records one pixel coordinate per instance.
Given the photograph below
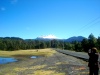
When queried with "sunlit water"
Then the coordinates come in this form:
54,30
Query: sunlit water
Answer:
4,60
34,57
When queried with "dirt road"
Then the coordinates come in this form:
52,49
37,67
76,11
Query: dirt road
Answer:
68,65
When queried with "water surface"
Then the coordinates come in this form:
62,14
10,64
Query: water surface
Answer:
4,60
34,57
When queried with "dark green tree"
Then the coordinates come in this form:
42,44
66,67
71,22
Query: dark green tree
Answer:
92,41
98,43
85,44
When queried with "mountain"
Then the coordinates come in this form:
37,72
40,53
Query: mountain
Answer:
50,37
47,37
74,38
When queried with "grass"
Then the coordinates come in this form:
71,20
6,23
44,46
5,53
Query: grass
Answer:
27,53
49,72
27,67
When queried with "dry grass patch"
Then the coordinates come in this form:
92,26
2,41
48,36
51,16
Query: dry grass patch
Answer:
85,73
52,67
17,69
23,65
25,53
38,67
59,63
49,72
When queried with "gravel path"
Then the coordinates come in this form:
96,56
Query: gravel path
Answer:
58,64
67,64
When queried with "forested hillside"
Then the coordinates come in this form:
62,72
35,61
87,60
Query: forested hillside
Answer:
15,43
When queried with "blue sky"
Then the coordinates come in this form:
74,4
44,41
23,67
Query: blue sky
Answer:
29,19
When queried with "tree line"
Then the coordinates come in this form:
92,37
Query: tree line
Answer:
16,43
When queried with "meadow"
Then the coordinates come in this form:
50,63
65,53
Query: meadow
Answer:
25,65
27,53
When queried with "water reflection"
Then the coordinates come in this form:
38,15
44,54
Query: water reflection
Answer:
4,60
34,56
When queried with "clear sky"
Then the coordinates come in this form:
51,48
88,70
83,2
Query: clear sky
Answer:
29,19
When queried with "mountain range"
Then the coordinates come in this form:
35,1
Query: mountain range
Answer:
74,38
51,37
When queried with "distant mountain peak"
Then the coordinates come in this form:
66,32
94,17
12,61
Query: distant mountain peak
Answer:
75,38
48,37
